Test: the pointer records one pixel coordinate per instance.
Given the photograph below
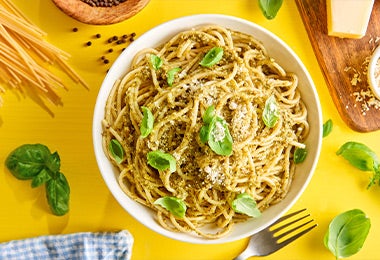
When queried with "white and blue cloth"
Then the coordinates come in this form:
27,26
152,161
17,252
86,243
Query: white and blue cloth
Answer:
81,246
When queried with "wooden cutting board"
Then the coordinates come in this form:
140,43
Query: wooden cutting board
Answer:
342,62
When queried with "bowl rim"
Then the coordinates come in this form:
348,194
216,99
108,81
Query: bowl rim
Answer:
191,21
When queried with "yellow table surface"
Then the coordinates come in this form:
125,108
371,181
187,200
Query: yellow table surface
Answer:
335,187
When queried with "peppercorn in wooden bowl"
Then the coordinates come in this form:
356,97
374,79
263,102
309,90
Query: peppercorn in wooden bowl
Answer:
101,12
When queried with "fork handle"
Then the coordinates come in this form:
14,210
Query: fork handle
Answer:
243,256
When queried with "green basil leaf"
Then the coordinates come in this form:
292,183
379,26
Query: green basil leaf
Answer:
271,112
375,178
161,161
359,155
212,57
209,114
58,195
174,205
270,8
204,133
41,178
245,204
53,163
116,150
219,137
299,155
347,233
156,61
207,118
146,126
26,161
171,75
327,127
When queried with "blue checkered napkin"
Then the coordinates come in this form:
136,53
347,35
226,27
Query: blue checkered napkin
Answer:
83,246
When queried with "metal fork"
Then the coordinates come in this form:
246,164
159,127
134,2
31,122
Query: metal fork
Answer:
267,241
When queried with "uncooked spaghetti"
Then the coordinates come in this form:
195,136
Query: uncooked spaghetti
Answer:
25,56
238,87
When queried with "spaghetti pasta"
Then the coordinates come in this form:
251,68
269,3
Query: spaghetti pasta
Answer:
25,56
238,86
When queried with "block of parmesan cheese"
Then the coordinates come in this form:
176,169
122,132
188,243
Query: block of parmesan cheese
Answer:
348,18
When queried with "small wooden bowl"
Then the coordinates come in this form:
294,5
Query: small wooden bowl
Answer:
85,13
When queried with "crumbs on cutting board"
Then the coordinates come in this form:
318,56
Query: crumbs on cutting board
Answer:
358,76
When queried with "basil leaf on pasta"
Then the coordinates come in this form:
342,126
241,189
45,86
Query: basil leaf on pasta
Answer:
209,114
161,161
215,131
116,151
219,137
204,132
299,155
245,204
155,61
212,57
147,122
271,112
171,75
174,205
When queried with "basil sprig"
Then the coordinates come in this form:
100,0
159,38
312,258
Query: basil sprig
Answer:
347,233
271,112
216,133
35,162
212,57
174,205
161,161
270,8
363,158
245,204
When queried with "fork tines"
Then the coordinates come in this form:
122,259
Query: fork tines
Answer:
276,230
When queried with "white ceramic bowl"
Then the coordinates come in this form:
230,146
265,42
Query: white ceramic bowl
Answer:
372,81
276,49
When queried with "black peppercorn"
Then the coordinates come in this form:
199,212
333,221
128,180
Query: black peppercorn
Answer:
103,3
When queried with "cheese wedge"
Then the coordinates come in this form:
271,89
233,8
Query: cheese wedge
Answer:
348,18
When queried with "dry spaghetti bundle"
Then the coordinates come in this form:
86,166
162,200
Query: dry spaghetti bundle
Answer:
238,87
25,56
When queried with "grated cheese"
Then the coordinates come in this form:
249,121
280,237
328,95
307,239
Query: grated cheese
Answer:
363,96
214,174
218,132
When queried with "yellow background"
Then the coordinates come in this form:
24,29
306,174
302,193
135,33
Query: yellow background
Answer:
335,187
